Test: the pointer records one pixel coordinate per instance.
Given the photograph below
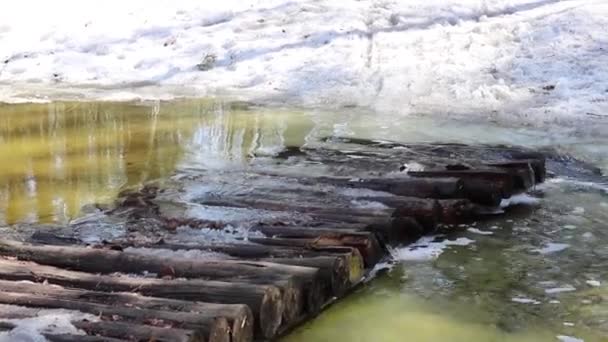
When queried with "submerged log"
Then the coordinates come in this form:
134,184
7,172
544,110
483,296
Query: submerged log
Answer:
217,329
264,300
196,314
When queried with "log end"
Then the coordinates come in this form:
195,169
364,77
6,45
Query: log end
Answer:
220,330
242,326
271,312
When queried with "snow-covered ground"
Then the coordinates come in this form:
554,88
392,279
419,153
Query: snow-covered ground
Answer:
536,60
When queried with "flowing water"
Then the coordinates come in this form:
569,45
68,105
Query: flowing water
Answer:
540,274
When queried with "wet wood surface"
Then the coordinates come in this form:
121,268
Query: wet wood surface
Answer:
261,286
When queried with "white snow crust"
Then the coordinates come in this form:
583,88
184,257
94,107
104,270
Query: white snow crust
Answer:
530,60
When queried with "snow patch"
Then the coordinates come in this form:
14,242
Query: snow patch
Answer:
426,248
520,199
593,283
420,56
554,290
552,248
195,254
39,322
564,338
480,232
524,300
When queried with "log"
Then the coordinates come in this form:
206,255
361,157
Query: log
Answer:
439,188
351,258
505,180
264,300
238,316
315,238
290,290
537,166
79,338
276,205
333,268
138,332
127,331
387,229
109,261
217,329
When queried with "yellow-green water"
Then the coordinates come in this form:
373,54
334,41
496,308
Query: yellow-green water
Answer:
60,157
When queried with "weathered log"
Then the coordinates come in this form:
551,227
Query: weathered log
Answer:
505,180
536,160
351,258
217,329
79,338
275,205
537,166
108,261
440,188
127,331
238,316
138,332
333,268
314,238
264,300
484,192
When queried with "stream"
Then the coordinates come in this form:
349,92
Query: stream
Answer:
540,273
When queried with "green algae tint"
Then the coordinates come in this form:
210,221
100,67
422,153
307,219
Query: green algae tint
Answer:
57,158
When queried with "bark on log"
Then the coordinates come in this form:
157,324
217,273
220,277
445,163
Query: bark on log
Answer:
79,338
108,261
257,203
138,332
439,188
333,268
239,316
350,257
305,237
537,166
387,229
264,300
217,329
505,180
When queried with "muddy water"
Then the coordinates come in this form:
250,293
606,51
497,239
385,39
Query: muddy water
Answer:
540,274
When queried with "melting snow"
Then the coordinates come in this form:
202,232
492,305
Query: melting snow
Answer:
523,300
480,232
427,249
520,199
567,288
564,338
593,283
419,56
552,248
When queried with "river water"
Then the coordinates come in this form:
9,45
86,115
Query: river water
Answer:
538,274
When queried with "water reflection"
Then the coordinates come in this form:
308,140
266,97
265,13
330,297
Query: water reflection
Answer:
61,156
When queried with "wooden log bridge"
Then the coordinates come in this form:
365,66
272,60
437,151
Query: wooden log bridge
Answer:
257,288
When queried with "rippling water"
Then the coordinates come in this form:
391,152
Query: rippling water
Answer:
540,274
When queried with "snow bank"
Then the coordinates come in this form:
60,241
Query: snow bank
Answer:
540,60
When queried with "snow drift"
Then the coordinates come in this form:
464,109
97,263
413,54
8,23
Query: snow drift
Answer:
537,60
